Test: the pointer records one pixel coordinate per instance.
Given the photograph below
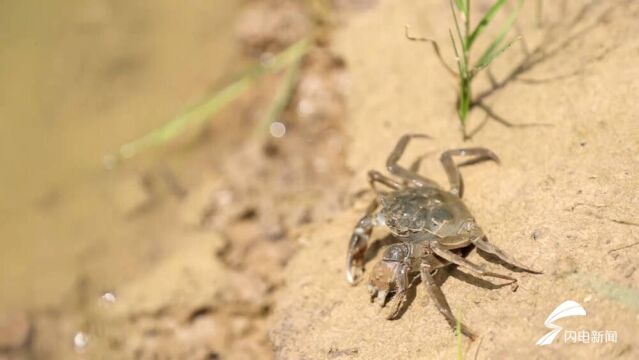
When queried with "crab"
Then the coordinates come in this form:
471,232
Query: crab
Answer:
434,227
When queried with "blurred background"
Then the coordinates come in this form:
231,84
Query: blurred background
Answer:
162,162
97,246
79,79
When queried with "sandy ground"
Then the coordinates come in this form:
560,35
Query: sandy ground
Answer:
564,199
232,246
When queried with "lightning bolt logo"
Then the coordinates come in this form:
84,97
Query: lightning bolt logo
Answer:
565,309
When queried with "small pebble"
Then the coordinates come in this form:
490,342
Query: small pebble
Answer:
536,234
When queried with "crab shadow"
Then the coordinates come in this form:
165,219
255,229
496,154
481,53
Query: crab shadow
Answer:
441,275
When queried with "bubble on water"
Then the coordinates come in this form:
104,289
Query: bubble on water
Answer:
108,298
277,129
80,341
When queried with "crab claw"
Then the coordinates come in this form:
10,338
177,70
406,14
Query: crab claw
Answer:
378,296
389,276
355,258
396,304
354,270
382,281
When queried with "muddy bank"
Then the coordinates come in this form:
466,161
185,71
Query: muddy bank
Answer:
179,252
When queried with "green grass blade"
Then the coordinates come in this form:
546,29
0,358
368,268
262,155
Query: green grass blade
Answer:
283,96
488,17
460,66
494,49
481,66
462,5
458,335
201,113
464,100
460,59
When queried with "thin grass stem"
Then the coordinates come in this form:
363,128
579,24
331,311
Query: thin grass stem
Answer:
199,114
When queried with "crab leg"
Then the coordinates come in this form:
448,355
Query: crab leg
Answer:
492,249
439,250
440,300
476,237
375,176
358,244
398,170
452,171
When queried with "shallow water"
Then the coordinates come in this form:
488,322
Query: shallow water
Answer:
77,79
